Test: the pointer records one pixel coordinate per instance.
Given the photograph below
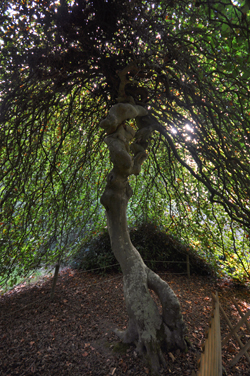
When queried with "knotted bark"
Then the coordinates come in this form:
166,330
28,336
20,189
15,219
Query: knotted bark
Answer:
151,331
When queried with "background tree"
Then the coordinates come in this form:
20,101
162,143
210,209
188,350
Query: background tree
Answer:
60,64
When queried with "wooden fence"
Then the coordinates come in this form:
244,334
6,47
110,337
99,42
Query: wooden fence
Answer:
211,361
233,333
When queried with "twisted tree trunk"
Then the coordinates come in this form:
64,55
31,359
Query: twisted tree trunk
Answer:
151,331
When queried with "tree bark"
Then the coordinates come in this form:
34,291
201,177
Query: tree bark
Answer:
151,331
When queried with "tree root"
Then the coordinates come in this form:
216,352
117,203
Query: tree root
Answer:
151,332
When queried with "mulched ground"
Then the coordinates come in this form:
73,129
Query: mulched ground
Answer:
73,334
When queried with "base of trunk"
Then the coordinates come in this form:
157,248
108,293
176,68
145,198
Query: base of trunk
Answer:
152,333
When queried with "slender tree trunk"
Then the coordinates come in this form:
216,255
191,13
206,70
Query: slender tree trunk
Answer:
151,331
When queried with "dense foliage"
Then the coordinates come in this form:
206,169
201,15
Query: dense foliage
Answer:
59,65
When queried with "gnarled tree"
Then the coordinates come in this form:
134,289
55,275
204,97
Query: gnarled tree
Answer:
150,330
180,68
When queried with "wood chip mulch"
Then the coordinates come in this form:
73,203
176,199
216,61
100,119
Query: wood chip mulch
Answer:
73,334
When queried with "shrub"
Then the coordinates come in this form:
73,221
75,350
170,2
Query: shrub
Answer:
156,247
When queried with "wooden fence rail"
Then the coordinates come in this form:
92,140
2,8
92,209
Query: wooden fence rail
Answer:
211,361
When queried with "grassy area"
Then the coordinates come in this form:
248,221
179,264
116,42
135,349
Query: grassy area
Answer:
31,278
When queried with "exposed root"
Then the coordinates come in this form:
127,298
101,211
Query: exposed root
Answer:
151,332
172,318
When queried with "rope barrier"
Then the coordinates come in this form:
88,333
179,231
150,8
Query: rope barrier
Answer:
110,266
101,282
96,283
92,270
168,262
172,273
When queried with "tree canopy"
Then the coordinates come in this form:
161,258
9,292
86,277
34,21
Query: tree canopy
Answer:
59,75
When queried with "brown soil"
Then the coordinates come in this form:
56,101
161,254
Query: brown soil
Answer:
73,334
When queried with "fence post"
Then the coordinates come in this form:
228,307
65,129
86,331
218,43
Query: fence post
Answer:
54,281
188,267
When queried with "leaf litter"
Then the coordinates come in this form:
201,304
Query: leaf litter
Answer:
73,334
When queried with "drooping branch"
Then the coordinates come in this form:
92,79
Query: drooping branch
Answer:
238,213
